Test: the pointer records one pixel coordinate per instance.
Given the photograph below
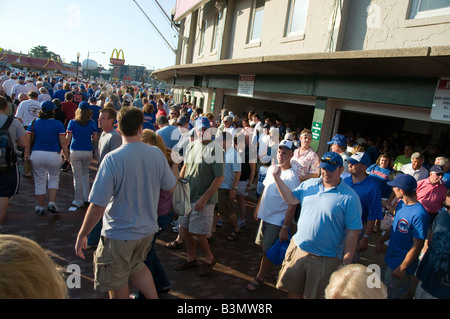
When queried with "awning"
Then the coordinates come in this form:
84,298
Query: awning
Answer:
19,60
412,62
185,7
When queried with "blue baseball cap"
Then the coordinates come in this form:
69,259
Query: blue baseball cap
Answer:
338,139
202,122
405,182
331,160
358,158
47,106
84,105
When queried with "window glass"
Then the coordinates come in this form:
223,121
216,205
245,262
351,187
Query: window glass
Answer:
298,11
257,19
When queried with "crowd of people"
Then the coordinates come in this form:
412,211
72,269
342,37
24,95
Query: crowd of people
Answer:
326,205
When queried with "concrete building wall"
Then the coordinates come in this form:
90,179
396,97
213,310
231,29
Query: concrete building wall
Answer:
330,25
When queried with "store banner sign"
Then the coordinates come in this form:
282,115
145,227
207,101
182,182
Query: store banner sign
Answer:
441,103
246,85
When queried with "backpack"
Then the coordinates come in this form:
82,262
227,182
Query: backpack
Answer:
8,157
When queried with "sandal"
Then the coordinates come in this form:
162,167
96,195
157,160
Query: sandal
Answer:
212,238
233,236
255,285
174,245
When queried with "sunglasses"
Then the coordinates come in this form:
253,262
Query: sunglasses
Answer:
325,160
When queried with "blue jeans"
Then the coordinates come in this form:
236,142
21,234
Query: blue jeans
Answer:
94,235
152,261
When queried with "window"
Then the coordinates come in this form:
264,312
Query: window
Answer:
296,17
429,8
256,21
202,37
216,34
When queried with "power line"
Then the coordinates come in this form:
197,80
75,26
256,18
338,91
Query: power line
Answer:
167,43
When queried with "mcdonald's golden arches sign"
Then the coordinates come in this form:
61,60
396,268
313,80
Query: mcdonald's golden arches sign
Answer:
117,60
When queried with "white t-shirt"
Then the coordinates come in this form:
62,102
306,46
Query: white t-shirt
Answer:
261,177
273,207
27,111
419,174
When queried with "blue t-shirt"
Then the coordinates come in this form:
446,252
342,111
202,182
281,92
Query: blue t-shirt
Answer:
370,196
232,165
95,113
150,117
148,125
60,94
410,221
446,179
170,140
325,216
46,135
380,176
81,135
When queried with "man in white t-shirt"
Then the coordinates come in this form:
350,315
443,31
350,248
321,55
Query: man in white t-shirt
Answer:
415,168
275,213
27,110
8,84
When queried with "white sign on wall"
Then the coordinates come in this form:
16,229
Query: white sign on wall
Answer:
246,85
441,103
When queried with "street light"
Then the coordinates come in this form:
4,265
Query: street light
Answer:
87,62
78,60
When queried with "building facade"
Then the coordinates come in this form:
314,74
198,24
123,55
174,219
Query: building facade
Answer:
368,66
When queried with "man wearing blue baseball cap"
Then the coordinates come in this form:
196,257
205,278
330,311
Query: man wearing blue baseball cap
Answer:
327,234
370,195
204,169
406,238
339,145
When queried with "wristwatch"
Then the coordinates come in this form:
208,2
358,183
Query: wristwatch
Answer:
234,188
366,236
285,227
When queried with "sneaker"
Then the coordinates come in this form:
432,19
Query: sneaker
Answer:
53,209
220,223
175,229
174,223
76,204
39,210
241,223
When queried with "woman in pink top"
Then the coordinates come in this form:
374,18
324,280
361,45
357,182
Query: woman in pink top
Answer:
305,161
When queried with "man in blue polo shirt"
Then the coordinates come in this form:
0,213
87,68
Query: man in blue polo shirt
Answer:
406,238
369,194
327,232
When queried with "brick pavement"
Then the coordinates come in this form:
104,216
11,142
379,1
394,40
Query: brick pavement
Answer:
237,261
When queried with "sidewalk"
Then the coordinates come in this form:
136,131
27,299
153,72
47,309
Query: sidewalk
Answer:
237,261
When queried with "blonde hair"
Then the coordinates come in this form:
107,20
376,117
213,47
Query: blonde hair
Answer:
27,272
351,282
150,137
83,116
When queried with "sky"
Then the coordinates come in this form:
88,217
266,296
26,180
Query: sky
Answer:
67,27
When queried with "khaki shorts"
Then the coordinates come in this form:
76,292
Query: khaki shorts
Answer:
116,260
225,204
305,274
198,222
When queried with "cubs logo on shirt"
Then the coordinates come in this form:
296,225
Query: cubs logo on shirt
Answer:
403,225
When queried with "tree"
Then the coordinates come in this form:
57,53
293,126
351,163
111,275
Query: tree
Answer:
41,51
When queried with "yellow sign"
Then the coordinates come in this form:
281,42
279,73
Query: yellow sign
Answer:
117,60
